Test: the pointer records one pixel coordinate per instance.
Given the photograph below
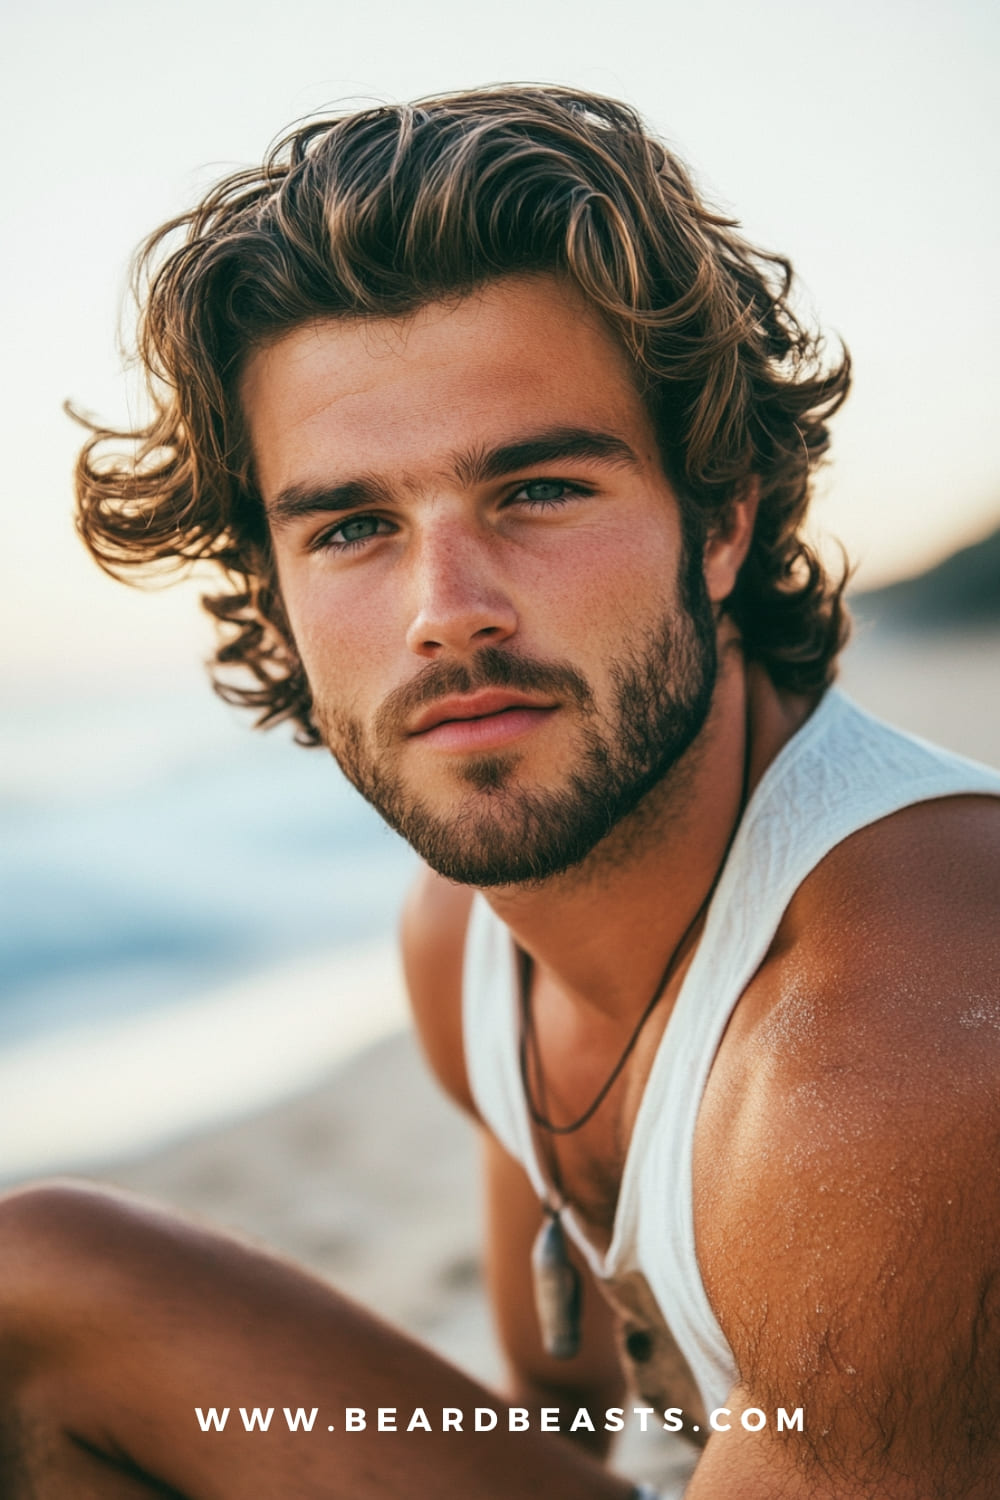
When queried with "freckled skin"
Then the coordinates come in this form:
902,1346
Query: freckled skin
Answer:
461,563
846,1225
450,564
847,1216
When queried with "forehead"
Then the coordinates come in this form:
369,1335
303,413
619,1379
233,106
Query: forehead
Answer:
514,355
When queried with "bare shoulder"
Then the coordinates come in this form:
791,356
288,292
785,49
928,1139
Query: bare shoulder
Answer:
847,1214
936,861
896,930
432,935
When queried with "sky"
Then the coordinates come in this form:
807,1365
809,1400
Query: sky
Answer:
860,139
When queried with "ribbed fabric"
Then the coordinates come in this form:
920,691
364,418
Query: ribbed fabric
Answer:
842,771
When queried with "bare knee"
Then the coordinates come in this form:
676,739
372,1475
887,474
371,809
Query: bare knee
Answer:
38,1225
38,1207
69,1255
51,1238
47,1228
83,1269
77,1269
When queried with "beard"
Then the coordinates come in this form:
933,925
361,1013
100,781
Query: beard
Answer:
503,833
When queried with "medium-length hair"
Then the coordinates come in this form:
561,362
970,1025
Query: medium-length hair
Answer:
375,213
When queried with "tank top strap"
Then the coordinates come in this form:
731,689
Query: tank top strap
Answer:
842,771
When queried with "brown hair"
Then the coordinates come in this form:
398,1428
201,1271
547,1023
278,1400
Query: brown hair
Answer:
377,212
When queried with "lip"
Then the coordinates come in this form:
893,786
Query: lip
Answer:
480,722
463,708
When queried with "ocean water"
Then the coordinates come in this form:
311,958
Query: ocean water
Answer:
196,918
153,847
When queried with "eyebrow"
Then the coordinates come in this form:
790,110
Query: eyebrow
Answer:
302,500
556,445
476,466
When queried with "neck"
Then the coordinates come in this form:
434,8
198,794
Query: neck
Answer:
600,931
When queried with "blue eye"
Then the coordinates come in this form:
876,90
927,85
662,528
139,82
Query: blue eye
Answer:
543,492
346,535
357,529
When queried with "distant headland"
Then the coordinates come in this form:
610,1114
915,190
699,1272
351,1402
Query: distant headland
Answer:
962,590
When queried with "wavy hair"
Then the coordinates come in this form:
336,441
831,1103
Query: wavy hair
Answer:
377,212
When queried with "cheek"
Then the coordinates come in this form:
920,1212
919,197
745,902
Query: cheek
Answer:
336,633
609,582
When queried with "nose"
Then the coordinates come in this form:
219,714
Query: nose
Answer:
460,601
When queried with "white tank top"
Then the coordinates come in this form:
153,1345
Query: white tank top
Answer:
840,772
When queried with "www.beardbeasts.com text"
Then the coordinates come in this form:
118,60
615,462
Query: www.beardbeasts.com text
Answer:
390,1419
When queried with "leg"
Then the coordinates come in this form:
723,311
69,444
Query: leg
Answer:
38,1461
117,1321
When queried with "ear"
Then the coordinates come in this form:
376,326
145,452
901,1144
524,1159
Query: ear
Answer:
726,548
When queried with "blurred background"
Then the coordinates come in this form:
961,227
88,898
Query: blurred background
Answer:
183,901
198,994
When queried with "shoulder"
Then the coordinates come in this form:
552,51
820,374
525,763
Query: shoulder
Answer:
893,935
938,858
879,994
848,1242
432,937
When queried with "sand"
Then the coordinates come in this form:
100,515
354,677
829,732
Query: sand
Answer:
369,1176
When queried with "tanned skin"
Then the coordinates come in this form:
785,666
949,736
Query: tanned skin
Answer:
846,1215
845,1225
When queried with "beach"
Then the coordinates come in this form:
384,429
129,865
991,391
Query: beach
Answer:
369,1178
363,1172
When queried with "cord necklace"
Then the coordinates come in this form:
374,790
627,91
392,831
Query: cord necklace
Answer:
556,1281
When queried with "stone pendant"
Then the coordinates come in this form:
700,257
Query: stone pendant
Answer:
557,1290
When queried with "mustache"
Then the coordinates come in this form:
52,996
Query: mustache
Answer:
489,668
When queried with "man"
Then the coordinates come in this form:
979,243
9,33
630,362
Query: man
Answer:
503,441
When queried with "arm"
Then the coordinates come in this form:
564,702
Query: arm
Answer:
591,1379
433,940
847,1201
870,1298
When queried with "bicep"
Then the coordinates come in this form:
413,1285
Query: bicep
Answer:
433,939
860,1282
432,943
